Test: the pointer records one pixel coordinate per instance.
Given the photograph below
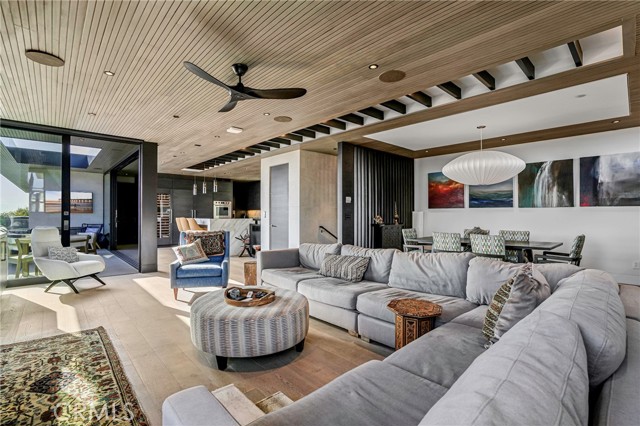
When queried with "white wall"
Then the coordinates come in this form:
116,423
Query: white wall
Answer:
293,159
612,233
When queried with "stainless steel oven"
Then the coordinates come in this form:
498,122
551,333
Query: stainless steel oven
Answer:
222,209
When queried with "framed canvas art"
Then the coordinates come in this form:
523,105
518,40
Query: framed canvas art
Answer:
496,195
610,180
445,193
546,184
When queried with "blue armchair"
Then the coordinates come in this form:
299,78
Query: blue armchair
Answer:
215,272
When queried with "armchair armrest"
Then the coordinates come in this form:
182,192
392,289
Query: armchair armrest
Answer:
173,272
55,269
84,256
271,259
195,406
225,271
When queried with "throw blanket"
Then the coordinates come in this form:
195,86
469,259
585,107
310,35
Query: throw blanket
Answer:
212,241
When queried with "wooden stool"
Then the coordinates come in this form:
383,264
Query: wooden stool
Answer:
414,318
250,272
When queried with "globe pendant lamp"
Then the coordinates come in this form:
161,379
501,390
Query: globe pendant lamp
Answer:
483,167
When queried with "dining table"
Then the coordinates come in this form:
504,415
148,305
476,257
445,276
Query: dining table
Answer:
519,246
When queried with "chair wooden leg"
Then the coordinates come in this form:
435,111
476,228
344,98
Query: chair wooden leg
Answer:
46,290
95,277
175,293
70,284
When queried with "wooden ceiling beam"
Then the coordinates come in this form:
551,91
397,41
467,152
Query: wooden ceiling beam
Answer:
421,98
353,118
271,144
254,150
281,141
336,124
305,132
486,78
527,67
245,152
320,129
293,137
576,52
396,106
451,89
265,147
373,112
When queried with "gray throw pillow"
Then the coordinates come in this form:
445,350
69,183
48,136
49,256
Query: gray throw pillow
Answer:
514,300
349,268
67,254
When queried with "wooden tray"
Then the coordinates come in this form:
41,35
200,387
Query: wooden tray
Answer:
270,297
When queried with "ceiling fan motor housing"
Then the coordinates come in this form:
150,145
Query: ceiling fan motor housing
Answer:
239,69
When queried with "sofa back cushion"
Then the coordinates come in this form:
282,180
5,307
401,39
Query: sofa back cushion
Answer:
535,374
590,299
437,273
380,264
485,276
312,255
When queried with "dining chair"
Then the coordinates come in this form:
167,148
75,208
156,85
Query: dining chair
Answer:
193,225
574,256
475,230
19,255
515,256
446,242
182,224
409,234
488,245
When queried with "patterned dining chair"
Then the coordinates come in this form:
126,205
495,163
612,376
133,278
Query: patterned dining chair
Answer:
513,255
574,256
409,234
488,245
446,242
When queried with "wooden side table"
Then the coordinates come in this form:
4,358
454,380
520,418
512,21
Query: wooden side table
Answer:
250,272
414,318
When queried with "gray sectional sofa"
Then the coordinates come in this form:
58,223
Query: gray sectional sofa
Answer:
574,360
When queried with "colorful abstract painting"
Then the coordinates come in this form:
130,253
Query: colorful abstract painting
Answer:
546,184
445,193
610,180
496,195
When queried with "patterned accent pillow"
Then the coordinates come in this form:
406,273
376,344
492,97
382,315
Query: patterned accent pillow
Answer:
514,300
349,268
191,253
212,241
68,254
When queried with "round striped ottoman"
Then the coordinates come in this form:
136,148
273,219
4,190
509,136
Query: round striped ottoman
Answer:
239,332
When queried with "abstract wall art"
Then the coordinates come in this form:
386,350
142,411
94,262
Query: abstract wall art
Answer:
445,193
546,184
610,180
496,195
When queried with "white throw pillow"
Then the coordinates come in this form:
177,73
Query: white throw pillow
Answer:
191,253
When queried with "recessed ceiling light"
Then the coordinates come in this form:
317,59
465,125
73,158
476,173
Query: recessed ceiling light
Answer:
176,116
426,150
503,139
234,129
109,73
44,58
615,121
93,114
266,113
582,95
373,66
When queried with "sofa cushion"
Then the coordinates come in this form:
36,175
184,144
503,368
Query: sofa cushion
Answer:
288,278
486,275
348,268
435,273
590,299
441,355
630,296
618,400
473,318
312,255
375,304
372,394
514,300
379,265
536,374
197,270
336,292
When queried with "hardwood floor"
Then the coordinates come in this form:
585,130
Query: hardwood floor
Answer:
150,331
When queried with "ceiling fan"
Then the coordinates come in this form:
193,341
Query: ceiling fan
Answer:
240,92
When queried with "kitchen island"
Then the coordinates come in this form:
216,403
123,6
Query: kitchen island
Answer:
236,228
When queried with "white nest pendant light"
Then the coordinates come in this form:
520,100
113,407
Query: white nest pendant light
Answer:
483,167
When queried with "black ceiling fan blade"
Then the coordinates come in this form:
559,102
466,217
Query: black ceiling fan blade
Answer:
276,93
205,76
229,106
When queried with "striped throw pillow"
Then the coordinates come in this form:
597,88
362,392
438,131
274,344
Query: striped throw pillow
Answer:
349,268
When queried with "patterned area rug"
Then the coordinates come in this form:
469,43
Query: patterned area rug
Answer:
70,379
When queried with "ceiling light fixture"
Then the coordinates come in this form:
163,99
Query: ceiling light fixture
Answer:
44,58
197,144
426,150
373,66
204,185
483,167
215,184
109,73
266,114
189,169
195,186
282,119
234,129
176,116
615,121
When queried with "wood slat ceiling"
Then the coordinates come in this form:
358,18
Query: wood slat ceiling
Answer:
320,45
